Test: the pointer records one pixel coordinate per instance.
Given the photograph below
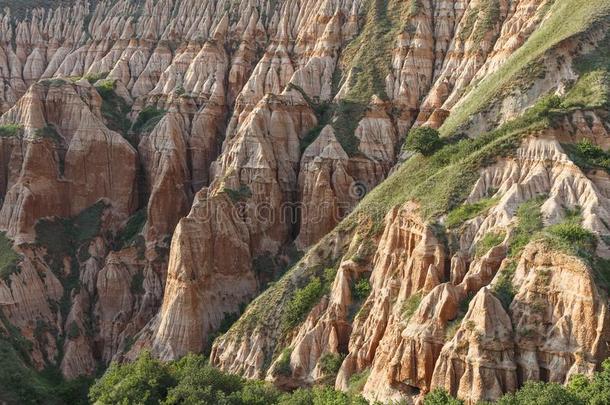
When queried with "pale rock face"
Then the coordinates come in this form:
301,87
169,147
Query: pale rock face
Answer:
206,283
164,156
408,261
68,159
263,157
478,363
324,187
560,317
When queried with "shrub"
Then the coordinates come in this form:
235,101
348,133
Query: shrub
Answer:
357,381
539,393
440,397
572,235
301,303
49,132
594,390
330,363
8,258
196,382
424,140
114,109
569,236
147,119
137,283
255,393
283,367
145,381
241,194
587,155
94,77
10,130
530,222
504,289
361,289
127,235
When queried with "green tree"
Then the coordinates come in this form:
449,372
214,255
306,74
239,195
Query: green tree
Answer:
440,397
594,391
200,383
144,381
425,140
256,393
540,393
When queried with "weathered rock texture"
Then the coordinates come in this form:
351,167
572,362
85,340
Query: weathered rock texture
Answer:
159,158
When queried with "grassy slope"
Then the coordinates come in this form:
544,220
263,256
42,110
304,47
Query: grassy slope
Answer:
566,18
447,177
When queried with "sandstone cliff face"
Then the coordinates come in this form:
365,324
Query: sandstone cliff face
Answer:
182,143
205,285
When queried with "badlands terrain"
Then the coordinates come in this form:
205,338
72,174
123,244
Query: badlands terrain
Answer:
385,198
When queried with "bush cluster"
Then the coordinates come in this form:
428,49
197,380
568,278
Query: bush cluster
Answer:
424,140
192,380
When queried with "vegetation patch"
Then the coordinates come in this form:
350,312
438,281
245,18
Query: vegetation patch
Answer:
439,396
464,212
50,132
147,119
241,194
442,181
268,267
8,258
11,131
424,140
592,89
95,77
330,363
570,237
283,367
115,109
137,283
529,223
21,384
453,325
357,381
580,390
368,56
489,241
361,289
588,156
410,306
128,234
302,302
343,117
192,380
65,237
504,289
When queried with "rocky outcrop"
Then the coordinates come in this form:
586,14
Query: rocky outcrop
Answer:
203,283
63,159
478,364
560,317
325,187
